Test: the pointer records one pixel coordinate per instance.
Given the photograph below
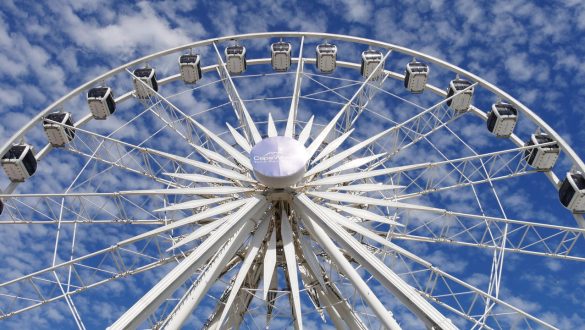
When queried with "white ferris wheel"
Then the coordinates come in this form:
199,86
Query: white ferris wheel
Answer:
286,180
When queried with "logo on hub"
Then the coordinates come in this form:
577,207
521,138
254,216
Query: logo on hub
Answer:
271,157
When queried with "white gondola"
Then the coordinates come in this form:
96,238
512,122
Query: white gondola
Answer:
235,58
502,119
280,54
59,128
461,101
145,83
542,158
19,162
326,55
415,76
190,68
370,60
101,102
572,192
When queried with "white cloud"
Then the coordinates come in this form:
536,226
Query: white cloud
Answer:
144,30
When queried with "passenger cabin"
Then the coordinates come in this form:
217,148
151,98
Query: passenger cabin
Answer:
415,77
502,119
19,162
542,158
370,60
235,58
281,56
326,55
59,128
101,102
145,83
190,68
461,101
572,192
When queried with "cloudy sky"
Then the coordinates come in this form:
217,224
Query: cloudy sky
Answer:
532,50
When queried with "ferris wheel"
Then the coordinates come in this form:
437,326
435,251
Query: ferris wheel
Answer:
285,180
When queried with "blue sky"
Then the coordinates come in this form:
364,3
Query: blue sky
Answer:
532,50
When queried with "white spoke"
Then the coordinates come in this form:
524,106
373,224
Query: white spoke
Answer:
365,214
387,277
269,264
385,317
197,178
355,163
203,215
244,268
218,190
271,127
233,231
291,267
192,204
294,104
331,147
240,140
198,233
306,132
367,187
240,108
225,146
356,199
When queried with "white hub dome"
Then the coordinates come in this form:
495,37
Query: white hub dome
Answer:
279,161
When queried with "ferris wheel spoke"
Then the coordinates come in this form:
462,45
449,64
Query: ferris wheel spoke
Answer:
188,131
240,140
365,94
85,208
240,204
346,109
326,293
463,172
448,291
87,271
333,90
271,132
420,126
231,233
332,250
294,104
213,269
404,292
357,199
193,204
170,115
119,154
245,120
332,146
291,268
366,215
498,164
306,132
400,136
235,154
222,172
355,163
486,232
148,161
461,297
251,254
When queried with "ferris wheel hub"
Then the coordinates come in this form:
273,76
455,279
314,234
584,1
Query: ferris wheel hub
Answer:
279,161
